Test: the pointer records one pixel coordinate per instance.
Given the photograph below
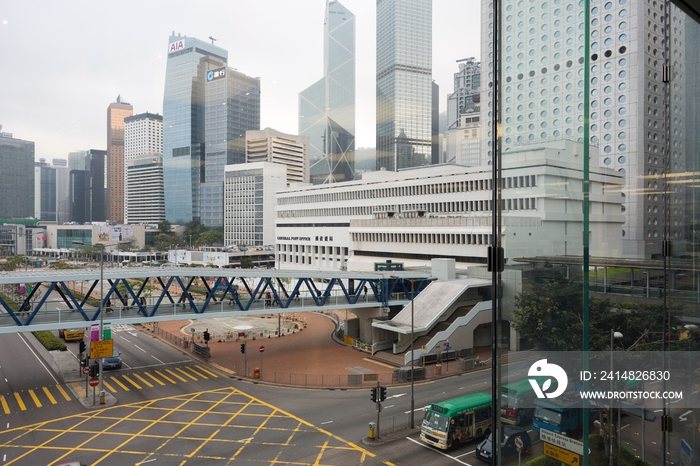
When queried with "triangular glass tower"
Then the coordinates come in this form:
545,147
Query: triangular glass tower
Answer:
327,107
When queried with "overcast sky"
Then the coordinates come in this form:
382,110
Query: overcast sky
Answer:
64,62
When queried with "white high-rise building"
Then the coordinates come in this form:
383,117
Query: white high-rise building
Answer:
143,150
273,146
542,94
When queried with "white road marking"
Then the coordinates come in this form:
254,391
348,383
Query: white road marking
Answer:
684,416
390,406
38,358
465,454
397,395
137,347
157,359
128,341
439,452
327,422
417,409
626,425
147,461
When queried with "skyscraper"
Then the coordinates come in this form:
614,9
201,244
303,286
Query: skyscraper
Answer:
327,107
273,146
116,112
231,107
143,140
467,83
44,191
17,187
189,61
404,84
542,97
95,164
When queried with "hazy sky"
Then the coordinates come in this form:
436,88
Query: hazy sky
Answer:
64,62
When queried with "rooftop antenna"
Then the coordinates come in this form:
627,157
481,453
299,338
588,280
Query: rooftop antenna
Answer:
212,40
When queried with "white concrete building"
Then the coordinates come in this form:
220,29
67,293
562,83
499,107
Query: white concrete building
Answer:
249,202
416,215
462,144
145,198
269,145
143,139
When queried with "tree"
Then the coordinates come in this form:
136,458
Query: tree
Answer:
246,262
209,238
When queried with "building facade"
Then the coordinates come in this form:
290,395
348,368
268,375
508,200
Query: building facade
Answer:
95,165
467,83
542,96
232,107
44,191
249,206
445,211
272,146
327,107
116,113
404,84
17,187
188,62
462,144
62,190
143,139
145,200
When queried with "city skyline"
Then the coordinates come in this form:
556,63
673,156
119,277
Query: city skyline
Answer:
63,110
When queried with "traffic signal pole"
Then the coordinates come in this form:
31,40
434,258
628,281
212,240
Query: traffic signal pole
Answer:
379,406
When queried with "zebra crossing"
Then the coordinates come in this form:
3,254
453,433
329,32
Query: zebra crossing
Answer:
34,398
125,382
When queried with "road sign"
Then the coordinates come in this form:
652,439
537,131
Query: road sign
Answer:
86,370
262,349
101,349
94,382
574,446
559,454
519,443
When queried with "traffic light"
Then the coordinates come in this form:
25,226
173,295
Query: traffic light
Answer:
95,369
82,346
243,348
206,335
382,393
85,362
373,396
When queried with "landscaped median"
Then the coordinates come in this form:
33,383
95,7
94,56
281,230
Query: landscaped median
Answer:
49,340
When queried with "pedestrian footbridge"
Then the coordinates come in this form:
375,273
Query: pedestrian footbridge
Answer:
71,298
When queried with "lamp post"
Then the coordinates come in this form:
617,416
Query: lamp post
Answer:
412,281
102,268
613,335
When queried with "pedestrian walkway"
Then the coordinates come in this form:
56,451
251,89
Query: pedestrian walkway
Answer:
32,399
308,356
122,382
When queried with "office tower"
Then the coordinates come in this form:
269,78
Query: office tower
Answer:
80,200
143,139
231,107
462,144
467,83
542,97
327,107
17,170
76,160
250,202
145,199
435,125
273,146
62,190
404,84
44,191
116,112
95,165
188,63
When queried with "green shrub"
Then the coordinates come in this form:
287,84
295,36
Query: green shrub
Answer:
49,340
543,461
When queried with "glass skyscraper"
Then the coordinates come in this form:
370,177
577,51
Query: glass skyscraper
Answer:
327,107
189,60
232,107
404,83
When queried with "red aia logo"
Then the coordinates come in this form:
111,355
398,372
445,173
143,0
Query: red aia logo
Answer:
175,46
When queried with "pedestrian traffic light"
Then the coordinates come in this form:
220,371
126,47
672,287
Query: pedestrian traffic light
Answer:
85,362
95,369
373,396
82,346
243,348
206,335
382,393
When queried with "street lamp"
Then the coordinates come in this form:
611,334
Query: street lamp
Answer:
102,268
613,335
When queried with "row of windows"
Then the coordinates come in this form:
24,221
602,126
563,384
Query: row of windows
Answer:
399,191
423,238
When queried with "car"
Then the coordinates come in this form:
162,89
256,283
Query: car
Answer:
71,334
112,362
511,436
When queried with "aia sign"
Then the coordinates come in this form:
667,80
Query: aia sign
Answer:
175,46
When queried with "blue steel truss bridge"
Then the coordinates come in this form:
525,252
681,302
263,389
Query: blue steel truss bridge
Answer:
57,299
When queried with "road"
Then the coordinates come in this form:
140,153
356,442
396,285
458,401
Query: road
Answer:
175,410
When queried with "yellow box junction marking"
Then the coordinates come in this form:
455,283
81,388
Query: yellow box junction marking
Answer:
34,398
49,395
154,379
4,404
20,402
